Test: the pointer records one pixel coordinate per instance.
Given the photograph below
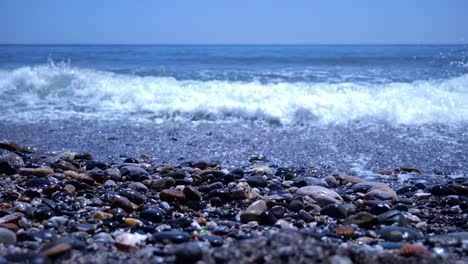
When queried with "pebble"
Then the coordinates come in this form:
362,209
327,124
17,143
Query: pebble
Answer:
38,172
171,237
9,162
399,233
127,241
7,237
134,173
122,202
362,219
188,253
170,195
164,183
334,210
153,215
254,211
381,194
321,195
440,190
257,181
192,194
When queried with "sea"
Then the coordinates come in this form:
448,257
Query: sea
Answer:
332,108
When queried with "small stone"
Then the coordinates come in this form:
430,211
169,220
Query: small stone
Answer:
295,206
215,241
321,195
43,213
134,196
254,211
10,146
331,181
171,237
192,194
278,211
345,231
70,189
10,162
83,156
381,194
334,210
170,195
362,219
260,169
122,202
7,237
152,215
164,183
127,241
11,218
399,233
57,249
410,250
131,222
113,173
134,173
38,172
257,181
391,217
138,186
267,218
201,164
304,215
440,190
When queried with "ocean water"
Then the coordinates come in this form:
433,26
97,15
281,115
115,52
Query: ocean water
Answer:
335,108
309,85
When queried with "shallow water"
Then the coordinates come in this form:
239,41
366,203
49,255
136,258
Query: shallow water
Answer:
355,109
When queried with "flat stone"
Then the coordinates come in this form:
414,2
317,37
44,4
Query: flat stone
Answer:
171,237
254,211
362,219
399,233
321,195
11,218
164,183
10,146
38,172
381,194
170,195
122,202
129,240
260,169
192,194
367,186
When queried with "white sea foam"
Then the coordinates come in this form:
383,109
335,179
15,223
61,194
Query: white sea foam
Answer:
60,92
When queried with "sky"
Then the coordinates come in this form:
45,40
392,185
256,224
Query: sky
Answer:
234,21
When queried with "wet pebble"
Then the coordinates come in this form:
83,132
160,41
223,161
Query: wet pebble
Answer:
334,210
7,236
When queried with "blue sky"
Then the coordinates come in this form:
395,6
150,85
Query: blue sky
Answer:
233,22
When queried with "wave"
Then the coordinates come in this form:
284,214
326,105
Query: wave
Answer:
50,92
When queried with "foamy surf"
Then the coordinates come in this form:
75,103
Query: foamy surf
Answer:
61,92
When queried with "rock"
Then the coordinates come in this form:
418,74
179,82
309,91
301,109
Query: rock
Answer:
38,172
267,218
138,186
170,195
215,241
164,183
188,253
127,241
55,249
200,164
260,169
192,194
134,196
7,237
113,173
134,173
379,208
278,211
321,195
10,162
345,231
399,233
334,210
254,211
391,217
10,146
171,237
449,239
367,186
122,202
257,181
43,213
304,215
411,250
440,190
295,206
11,218
381,194
83,156
152,215
350,179
362,219
331,181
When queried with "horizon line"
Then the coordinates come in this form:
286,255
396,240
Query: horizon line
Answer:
228,44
